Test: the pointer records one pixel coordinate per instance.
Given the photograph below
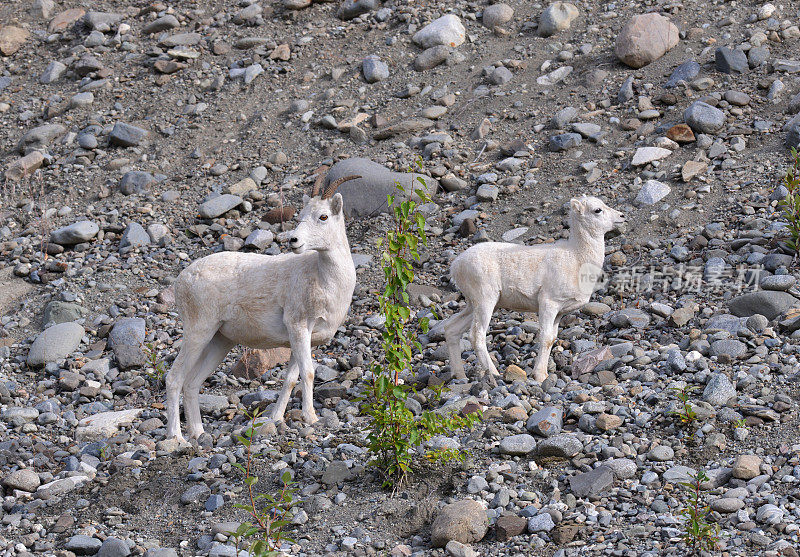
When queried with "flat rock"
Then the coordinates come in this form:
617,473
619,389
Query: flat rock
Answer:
12,38
103,425
517,445
652,192
39,137
218,206
127,135
644,39
55,343
591,483
564,445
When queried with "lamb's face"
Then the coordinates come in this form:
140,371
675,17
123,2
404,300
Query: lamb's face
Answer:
319,224
594,215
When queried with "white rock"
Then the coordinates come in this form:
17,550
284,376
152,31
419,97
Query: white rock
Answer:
447,30
652,192
645,155
105,424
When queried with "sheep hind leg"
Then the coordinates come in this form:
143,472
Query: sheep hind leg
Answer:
190,352
454,329
213,355
548,330
292,372
482,315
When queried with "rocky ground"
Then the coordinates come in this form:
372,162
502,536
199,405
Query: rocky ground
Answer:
138,137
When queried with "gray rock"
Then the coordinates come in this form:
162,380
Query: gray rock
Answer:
374,69
218,206
497,15
768,303
644,39
623,468
564,445
678,474
630,317
432,57
40,137
195,494
777,282
591,483
542,522
114,547
24,479
793,137
128,331
83,545
517,445
19,415
728,60
259,239
501,76
660,453
557,17
135,181
102,21
563,118
63,312
704,118
446,30
127,135
351,9
87,141
55,343
366,196
564,141
625,92
213,404
464,521
134,236
161,552
685,72
652,192
52,72
719,390
728,347
161,24
546,422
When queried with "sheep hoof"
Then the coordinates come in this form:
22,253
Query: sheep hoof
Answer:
311,420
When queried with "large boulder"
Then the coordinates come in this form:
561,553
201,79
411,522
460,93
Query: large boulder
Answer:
644,39
55,343
366,196
464,521
769,303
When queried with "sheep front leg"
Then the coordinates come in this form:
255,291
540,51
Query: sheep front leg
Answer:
482,315
548,329
306,365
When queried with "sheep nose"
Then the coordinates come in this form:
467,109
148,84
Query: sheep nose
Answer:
293,240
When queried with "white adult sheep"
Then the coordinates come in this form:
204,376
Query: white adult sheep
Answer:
549,279
264,301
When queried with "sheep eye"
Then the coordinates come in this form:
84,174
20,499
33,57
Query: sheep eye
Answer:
323,217
598,210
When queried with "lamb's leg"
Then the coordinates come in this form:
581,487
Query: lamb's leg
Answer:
292,371
454,329
548,330
213,355
482,315
194,342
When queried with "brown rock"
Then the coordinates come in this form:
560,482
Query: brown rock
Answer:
564,533
510,526
254,363
24,166
644,39
692,169
681,133
746,467
514,373
588,361
281,52
464,521
11,39
514,414
279,214
403,128
65,19
607,422
168,66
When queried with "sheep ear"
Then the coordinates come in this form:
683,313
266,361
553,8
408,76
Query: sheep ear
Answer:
577,205
306,199
337,203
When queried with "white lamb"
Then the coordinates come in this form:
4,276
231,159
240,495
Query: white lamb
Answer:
549,279
264,301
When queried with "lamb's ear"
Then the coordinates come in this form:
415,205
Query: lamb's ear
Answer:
577,205
337,203
306,199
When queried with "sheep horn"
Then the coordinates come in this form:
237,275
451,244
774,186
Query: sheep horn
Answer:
333,186
318,182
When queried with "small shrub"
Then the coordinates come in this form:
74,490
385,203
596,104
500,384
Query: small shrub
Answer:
156,369
686,416
395,434
699,535
791,203
270,514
